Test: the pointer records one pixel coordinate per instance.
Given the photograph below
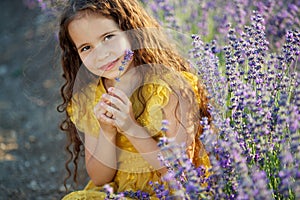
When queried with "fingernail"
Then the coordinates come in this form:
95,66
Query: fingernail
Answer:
110,89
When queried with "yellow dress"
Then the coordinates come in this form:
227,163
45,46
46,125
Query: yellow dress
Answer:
134,173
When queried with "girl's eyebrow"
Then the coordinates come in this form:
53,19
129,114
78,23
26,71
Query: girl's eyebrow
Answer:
106,33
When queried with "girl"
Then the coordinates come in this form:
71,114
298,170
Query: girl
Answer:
123,78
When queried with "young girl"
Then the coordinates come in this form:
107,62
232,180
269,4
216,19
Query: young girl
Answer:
123,79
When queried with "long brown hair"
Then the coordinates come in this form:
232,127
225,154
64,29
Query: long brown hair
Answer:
129,15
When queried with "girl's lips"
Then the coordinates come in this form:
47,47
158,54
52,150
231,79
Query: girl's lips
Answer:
109,66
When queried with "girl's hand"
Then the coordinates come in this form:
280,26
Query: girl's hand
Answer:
118,104
102,115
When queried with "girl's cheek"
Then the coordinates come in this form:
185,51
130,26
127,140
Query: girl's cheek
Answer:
88,61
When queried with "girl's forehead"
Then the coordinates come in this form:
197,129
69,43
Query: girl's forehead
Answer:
93,18
88,14
89,27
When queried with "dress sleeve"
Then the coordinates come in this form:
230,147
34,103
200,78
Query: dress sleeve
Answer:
80,111
156,96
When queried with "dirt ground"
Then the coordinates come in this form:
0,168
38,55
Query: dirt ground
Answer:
32,153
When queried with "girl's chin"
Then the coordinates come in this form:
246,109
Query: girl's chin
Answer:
110,76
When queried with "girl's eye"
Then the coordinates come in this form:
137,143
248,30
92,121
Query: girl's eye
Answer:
85,48
108,37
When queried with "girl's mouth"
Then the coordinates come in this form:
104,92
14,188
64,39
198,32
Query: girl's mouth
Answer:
109,66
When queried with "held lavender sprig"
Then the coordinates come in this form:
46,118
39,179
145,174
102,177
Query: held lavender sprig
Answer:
128,56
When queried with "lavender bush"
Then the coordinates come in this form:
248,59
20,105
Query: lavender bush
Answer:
255,106
254,90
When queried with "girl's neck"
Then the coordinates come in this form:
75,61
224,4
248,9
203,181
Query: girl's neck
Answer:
129,81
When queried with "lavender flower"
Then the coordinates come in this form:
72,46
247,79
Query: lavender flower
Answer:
127,57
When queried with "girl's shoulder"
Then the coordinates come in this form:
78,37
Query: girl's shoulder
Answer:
173,79
80,108
161,86
156,93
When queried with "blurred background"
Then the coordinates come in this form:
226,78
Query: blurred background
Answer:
31,145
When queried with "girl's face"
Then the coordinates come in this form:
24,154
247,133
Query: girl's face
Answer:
100,43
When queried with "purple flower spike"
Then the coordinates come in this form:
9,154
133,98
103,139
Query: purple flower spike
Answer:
127,58
121,68
128,55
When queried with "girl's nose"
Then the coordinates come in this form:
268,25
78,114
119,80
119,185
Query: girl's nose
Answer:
101,53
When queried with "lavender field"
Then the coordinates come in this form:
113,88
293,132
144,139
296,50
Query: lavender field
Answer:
247,55
248,58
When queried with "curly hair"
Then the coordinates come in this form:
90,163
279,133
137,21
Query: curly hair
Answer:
151,47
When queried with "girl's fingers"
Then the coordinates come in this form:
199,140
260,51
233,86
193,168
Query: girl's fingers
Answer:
103,115
114,101
106,119
98,110
119,94
114,109
110,109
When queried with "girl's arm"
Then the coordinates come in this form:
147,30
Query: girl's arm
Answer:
138,135
147,146
100,158
100,153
